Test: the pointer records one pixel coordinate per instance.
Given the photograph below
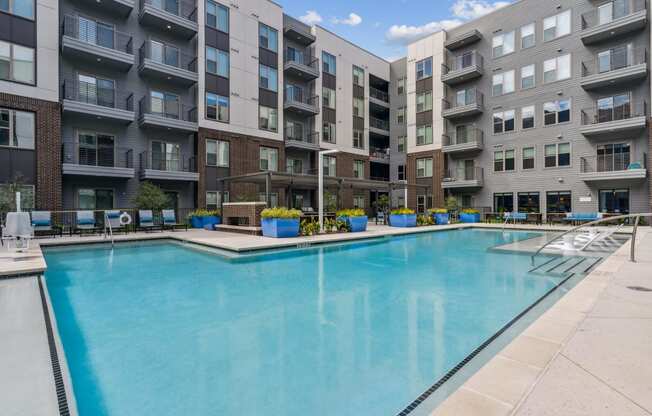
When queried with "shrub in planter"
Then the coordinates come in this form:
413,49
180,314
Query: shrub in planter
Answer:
202,218
355,219
280,222
470,216
440,215
403,217
423,220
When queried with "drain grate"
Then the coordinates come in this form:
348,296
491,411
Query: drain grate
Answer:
639,288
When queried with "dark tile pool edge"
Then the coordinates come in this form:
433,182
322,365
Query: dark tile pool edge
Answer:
432,389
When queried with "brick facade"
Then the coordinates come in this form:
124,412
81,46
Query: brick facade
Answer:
48,189
344,168
433,183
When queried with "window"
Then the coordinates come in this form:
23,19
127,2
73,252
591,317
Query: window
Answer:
268,78
268,158
557,155
424,101
161,103
613,157
615,58
358,169
503,83
165,54
528,36
98,91
22,8
613,10
465,97
268,118
273,198
614,201
293,165
217,62
328,133
558,202
267,37
504,121
358,202
217,16
17,128
95,199
400,115
613,108
528,202
424,69
557,26
400,87
96,150
217,153
101,34
424,168
328,63
328,97
16,63
330,165
401,144
527,117
504,202
217,107
528,158
503,44
528,79
557,69
424,135
358,107
213,199
358,139
504,161
401,172
358,76
166,156
556,112
424,202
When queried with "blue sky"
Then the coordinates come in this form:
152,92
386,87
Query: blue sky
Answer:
384,27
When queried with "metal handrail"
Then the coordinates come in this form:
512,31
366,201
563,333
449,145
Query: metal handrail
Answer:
596,222
107,223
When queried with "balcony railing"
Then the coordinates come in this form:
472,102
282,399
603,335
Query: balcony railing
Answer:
91,93
467,174
304,59
168,162
620,58
624,111
470,97
619,162
182,8
101,155
296,95
167,55
606,14
378,94
378,123
170,109
96,33
471,135
461,62
301,135
379,153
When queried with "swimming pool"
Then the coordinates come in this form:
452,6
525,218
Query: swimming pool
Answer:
354,329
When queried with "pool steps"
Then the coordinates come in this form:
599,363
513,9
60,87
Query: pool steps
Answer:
565,266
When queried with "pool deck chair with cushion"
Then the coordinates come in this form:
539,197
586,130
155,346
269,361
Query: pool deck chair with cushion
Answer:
581,217
42,224
170,220
521,217
85,223
146,221
113,217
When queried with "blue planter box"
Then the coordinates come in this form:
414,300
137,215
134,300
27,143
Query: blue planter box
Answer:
356,224
196,222
469,218
280,227
403,221
212,222
441,219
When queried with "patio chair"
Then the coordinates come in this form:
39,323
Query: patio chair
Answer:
113,218
170,220
42,224
146,221
85,223
18,229
521,217
380,217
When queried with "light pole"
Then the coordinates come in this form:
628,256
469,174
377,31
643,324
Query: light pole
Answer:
320,182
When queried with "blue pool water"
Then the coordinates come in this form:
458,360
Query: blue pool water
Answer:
358,329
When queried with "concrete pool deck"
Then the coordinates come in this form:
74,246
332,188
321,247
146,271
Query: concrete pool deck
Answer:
587,355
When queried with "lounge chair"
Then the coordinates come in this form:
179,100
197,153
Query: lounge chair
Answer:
515,216
42,224
146,220
170,220
581,217
85,222
113,218
380,217
18,229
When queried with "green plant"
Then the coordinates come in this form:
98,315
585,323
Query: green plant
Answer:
280,212
354,212
309,227
342,226
382,203
470,211
201,213
451,204
8,194
150,197
330,202
438,211
330,225
425,220
402,211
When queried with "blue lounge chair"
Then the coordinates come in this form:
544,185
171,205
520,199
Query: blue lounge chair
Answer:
515,216
85,222
580,217
146,220
170,220
42,224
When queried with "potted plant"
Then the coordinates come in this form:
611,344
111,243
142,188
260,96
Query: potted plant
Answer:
470,215
355,219
280,222
402,217
423,220
202,218
440,215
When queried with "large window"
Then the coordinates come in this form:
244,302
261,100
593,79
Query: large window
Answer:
358,107
558,202
267,37
615,58
96,149
268,78
217,62
504,121
268,158
165,54
528,36
16,63
217,16
330,165
217,153
400,172
8,196
503,44
217,107
557,155
95,199
614,201
328,63
401,144
528,76
400,86
424,168
504,202
293,165
17,128
424,135
503,83
556,112
424,68
358,139
358,202
613,157
22,8
328,132
504,161
166,156
96,32
528,202
529,154
424,101
214,199
617,107
358,76
358,169
328,97
527,117
268,118
557,26
400,115
557,69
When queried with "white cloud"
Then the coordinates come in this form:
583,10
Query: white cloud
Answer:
472,9
352,20
311,17
404,34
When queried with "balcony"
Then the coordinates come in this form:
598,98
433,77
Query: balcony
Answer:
467,141
462,68
612,167
105,162
168,167
379,126
462,40
379,155
299,103
167,114
165,63
83,39
299,139
87,100
299,33
178,17
464,178
470,103
119,7
621,66
598,122
302,66
613,19
379,97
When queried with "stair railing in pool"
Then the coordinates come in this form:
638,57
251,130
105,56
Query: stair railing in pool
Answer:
107,226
